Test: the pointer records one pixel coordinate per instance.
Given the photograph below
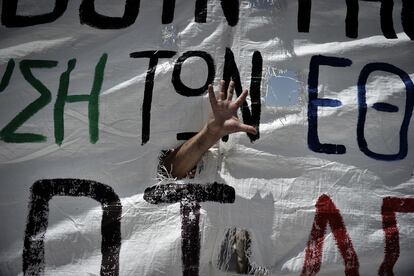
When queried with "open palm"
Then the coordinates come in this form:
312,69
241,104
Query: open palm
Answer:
223,119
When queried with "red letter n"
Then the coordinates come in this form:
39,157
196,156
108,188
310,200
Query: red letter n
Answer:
326,212
390,206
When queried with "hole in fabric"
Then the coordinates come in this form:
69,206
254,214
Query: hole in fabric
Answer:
282,90
235,251
235,254
163,172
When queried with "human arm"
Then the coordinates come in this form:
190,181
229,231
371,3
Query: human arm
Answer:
222,121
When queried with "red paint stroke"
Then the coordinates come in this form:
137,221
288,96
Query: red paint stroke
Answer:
390,206
326,212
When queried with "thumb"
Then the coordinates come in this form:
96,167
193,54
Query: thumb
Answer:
247,128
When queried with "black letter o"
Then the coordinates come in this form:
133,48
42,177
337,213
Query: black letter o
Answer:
176,77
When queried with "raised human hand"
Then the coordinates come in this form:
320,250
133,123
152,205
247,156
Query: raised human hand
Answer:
223,119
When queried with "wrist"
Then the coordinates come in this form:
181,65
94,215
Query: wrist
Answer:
213,131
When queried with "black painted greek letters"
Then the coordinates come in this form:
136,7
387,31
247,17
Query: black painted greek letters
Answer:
42,192
9,17
89,16
153,56
231,72
190,196
351,20
179,86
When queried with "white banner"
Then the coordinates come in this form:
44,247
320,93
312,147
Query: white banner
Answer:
92,92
